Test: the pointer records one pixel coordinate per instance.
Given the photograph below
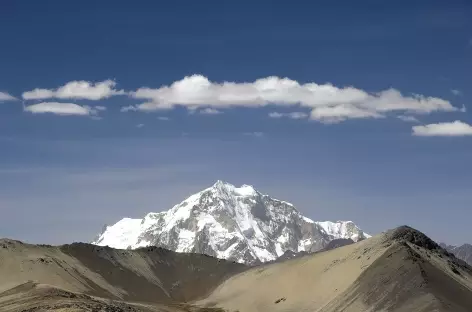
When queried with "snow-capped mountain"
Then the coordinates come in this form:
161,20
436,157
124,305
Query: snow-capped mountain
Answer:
234,223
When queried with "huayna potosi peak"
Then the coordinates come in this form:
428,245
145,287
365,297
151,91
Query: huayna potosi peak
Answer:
234,223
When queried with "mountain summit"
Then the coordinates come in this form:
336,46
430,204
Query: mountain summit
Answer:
234,223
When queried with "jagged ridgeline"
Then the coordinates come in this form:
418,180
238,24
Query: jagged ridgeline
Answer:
234,223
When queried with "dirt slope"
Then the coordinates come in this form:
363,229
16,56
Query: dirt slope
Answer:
401,270
33,297
151,275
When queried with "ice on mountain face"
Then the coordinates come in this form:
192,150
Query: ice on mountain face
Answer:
123,233
308,220
343,229
234,223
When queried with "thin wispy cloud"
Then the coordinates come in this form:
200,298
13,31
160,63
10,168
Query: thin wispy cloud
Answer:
210,111
255,134
292,115
407,118
4,96
455,128
276,115
163,118
139,125
76,90
327,102
456,92
129,108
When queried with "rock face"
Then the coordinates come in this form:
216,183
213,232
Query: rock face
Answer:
463,252
234,223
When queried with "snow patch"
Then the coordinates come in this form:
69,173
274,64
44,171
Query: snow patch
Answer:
122,234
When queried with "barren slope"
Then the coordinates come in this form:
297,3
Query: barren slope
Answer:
152,275
401,270
33,297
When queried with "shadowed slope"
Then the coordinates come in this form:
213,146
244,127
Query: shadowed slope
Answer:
151,274
33,297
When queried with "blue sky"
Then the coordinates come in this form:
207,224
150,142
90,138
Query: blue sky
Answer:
350,111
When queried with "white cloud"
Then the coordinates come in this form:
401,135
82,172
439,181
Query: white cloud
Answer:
128,108
163,118
6,97
292,115
139,125
408,118
76,90
210,111
338,113
456,92
456,128
59,109
327,102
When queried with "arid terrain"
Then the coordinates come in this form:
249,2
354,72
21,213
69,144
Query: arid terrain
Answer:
84,276
399,270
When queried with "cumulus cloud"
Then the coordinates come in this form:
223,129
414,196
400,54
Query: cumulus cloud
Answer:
76,90
209,111
59,109
407,118
327,102
455,128
6,97
292,115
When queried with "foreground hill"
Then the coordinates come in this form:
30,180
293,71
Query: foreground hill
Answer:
152,275
401,270
234,223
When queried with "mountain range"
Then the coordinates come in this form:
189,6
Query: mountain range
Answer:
400,270
234,223
228,249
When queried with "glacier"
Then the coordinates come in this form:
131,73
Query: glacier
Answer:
234,223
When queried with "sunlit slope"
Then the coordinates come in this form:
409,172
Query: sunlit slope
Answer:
401,270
